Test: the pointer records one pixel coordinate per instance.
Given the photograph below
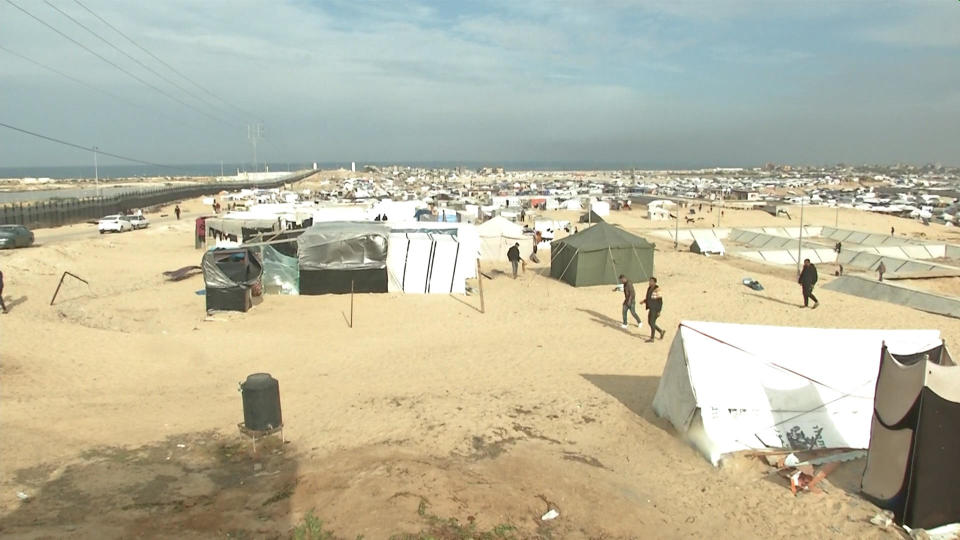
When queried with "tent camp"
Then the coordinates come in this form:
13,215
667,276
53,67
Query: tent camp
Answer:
599,254
500,234
707,245
230,276
912,464
733,387
335,255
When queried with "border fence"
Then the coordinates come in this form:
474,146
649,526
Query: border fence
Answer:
57,212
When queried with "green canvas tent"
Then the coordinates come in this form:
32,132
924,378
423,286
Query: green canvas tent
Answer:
598,255
591,217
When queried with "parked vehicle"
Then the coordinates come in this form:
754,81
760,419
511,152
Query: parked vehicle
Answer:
114,223
138,222
14,236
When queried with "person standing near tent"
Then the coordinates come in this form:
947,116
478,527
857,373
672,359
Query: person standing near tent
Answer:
176,210
807,279
654,303
513,255
629,301
881,269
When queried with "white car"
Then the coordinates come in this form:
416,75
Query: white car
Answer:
138,222
116,223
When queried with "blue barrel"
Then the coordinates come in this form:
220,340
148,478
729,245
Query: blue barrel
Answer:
261,402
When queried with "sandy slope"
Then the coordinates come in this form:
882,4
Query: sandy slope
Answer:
541,401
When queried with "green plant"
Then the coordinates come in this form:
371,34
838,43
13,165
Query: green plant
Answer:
311,528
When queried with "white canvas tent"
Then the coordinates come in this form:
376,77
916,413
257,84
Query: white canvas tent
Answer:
433,260
500,234
733,387
707,245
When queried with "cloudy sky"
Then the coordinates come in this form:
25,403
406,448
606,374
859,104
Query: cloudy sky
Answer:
645,83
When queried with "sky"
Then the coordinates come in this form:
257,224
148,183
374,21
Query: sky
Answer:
656,83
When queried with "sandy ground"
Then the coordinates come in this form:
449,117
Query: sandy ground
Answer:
119,404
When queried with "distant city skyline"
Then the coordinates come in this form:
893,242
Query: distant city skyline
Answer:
735,83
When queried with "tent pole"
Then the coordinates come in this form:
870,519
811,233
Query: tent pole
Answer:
480,284
351,303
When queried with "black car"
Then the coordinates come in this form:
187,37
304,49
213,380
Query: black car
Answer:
14,236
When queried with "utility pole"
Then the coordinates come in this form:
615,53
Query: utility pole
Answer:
254,133
721,207
800,239
96,170
676,227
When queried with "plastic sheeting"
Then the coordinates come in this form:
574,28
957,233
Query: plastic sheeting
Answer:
225,269
281,274
343,246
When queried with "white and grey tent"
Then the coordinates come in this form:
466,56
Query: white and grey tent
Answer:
915,439
498,235
707,245
733,387
432,261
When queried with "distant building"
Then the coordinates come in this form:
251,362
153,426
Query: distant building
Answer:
744,195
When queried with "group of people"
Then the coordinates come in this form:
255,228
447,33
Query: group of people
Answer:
653,300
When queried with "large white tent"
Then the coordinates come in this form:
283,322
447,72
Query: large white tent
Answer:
732,387
431,258
500,234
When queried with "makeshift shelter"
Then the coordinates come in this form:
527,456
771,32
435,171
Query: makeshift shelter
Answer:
591,217
430,262
281,273
600,208
733,387
337,254
707,245
571,204
230,277
914,439
599,254
500,234
657,213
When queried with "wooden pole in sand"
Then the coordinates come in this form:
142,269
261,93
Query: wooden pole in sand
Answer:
480,283
351,303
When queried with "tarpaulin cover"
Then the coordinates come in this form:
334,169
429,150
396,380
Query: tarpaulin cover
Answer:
228,268
343,246
281,274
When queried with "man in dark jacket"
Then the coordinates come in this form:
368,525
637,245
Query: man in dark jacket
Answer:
629,301
808,278
513,255
654,303
2,305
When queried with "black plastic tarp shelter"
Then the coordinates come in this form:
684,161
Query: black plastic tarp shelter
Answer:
335,255
598,255
912,465
229,276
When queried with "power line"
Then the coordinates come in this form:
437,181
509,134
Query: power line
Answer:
88,149
72,78
189,120
91,51
155,57
121,51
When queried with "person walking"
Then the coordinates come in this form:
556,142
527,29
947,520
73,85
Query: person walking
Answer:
629,301
807,279
513,255
176,210
881,269
654,303
2,305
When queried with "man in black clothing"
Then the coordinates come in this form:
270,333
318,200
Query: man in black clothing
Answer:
2,305
808,278
629,301
513,255
654,303
176,211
